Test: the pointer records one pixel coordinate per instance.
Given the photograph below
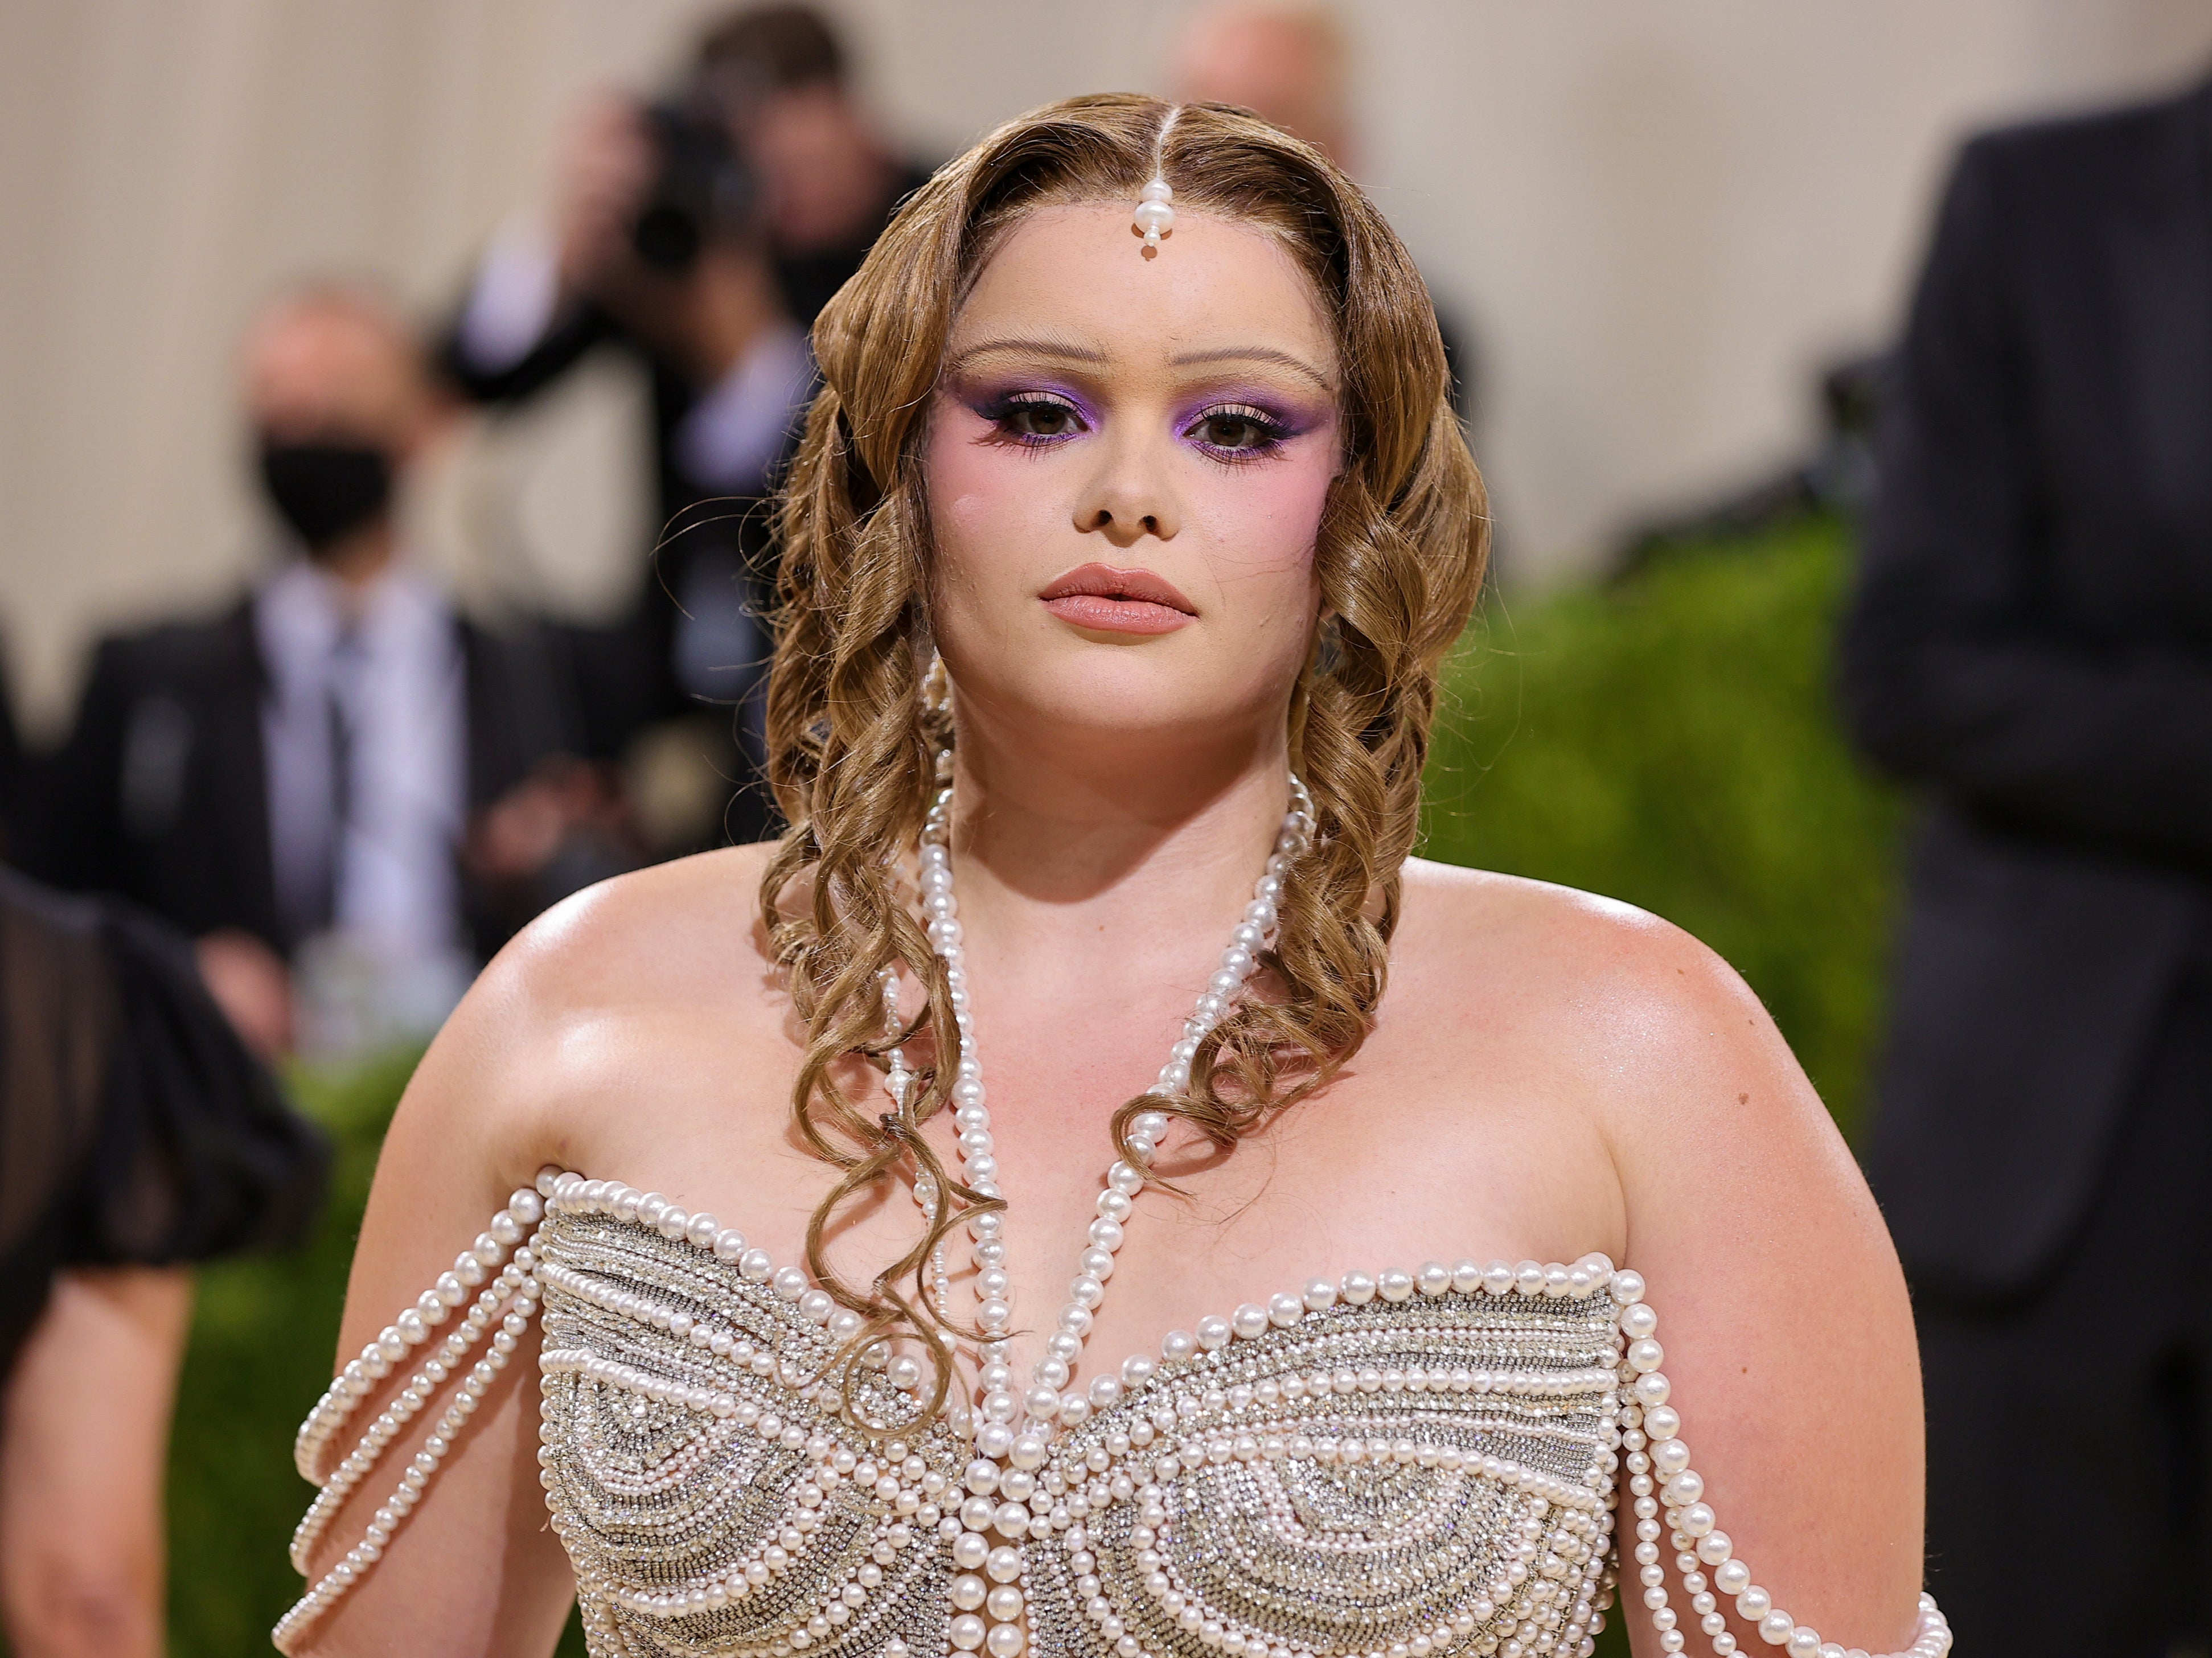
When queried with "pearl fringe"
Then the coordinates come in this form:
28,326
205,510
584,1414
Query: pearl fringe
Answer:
1650,1431
511,1298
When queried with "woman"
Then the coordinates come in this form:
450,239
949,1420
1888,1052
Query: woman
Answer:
1122,547
136,1133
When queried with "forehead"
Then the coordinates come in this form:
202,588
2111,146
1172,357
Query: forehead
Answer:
1077,273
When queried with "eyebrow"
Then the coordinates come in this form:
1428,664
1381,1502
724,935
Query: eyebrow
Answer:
1069,351
1257,354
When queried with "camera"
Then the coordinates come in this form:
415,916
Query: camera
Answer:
702,187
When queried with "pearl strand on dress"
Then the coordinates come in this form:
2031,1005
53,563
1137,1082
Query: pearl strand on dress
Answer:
511,1299
1659,1461
411,1329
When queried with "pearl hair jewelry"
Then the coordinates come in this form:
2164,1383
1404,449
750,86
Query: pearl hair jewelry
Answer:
1153,216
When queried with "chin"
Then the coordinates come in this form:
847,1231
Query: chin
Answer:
1167,692
1125,705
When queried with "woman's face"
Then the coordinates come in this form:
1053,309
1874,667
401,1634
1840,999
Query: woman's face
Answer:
1126,461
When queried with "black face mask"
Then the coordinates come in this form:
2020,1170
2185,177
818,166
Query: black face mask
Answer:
325,491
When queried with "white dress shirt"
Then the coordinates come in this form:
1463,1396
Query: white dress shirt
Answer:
377,676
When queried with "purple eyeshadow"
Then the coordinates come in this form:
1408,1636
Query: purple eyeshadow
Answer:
1273,423
997,405
1280,420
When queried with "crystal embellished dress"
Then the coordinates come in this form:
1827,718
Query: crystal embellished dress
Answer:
1407,1463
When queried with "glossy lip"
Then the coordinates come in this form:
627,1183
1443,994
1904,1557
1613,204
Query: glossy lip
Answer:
1103,599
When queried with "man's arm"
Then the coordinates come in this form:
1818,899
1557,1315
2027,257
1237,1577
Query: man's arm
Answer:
517,330
1951,678
531,312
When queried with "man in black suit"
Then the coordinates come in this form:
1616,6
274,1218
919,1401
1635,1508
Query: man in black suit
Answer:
337,763
701,234
2031,643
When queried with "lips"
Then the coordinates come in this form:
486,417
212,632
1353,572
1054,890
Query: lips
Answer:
1103,599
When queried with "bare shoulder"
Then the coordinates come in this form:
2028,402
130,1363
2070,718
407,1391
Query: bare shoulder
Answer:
1627,1036
618,1032
620,997
1646,1063
1624,999
644,936
1473,914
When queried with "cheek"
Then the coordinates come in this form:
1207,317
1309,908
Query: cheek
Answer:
1260,523
986,505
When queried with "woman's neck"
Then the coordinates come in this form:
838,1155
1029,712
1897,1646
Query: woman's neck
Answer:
1068,854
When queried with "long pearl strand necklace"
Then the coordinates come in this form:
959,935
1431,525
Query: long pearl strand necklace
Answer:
1008,1431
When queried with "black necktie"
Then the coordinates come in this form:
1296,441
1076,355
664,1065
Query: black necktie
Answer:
339,693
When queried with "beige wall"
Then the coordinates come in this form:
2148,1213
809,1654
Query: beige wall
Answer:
1657,217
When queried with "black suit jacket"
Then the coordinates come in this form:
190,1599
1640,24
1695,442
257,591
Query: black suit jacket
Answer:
159,793
2030,641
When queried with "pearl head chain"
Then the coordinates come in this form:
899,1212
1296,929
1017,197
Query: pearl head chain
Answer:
1154,217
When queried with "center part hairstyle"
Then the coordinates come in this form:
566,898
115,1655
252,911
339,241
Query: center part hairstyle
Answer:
853,731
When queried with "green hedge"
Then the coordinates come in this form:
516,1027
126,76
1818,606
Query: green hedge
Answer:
1669,741
1666,741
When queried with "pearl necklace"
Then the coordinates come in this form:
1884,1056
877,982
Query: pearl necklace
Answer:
1009,1435
1001,1426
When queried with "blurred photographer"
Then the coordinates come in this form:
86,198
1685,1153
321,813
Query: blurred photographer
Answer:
700,231
1291,63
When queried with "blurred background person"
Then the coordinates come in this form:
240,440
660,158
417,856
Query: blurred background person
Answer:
136,1134
1290,63
2031,644
12,770
1287,61
701,232
337,782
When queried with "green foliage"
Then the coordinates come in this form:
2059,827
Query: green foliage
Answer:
1666,741
1669,741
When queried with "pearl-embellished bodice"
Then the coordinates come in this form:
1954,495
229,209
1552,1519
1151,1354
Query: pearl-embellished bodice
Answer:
1409,1464
1344,1480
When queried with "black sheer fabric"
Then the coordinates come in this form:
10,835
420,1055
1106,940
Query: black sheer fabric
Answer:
134,1125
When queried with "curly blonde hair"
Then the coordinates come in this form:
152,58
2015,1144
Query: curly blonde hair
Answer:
852,736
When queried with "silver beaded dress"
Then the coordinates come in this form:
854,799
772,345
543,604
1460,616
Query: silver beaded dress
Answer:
1415,1463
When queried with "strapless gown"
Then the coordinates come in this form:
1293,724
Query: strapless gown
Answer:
1394,1466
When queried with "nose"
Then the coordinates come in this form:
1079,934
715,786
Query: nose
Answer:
1132,495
